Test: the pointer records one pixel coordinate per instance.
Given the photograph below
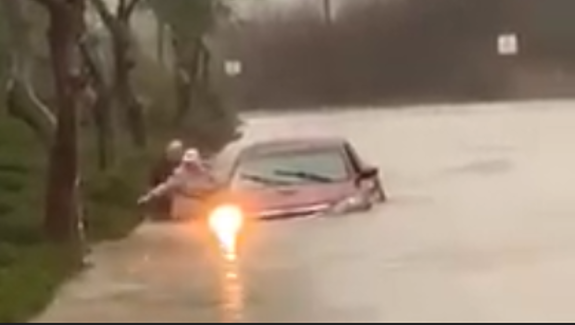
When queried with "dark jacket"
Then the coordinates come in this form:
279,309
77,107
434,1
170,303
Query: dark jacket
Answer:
162,171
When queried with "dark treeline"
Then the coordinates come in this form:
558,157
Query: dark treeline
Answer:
376,51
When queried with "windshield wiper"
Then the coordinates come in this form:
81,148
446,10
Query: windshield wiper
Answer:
305,175
264,180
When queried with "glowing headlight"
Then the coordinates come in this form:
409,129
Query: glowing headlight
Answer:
226,220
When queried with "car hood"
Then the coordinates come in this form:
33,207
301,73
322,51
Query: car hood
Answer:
296,197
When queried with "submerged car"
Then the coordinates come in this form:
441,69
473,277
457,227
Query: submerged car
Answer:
301,177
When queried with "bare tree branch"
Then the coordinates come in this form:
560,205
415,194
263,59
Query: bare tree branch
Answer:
23,100
104,12
120,4
129,7
118,24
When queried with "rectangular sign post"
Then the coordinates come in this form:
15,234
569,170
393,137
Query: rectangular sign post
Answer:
508,44
233,68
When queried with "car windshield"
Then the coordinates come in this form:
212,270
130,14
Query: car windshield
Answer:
293,168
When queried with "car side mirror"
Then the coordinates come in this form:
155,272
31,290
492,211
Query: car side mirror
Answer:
368,173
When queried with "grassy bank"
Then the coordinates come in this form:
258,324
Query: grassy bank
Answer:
30,269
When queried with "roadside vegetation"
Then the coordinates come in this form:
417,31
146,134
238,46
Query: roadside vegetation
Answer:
86,105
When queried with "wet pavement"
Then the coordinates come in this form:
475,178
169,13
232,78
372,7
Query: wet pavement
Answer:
479,227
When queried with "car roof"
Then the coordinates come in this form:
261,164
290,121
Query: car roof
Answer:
286,145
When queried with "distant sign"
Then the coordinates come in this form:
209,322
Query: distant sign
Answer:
233,68
508,44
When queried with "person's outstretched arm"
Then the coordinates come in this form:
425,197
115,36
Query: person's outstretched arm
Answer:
166,188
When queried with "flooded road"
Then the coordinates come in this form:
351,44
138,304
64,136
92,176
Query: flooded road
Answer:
480,227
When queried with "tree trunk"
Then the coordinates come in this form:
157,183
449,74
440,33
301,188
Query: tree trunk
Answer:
101,111
65,30
161,46
118,25
22,105
187,66
104,132
124,63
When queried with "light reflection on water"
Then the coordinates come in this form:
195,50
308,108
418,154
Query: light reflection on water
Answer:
232,288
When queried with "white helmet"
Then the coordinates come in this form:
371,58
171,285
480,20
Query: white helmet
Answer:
191,156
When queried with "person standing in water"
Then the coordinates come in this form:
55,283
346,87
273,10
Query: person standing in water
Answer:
163,170
190,179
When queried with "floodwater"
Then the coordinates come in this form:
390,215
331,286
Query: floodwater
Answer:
479,227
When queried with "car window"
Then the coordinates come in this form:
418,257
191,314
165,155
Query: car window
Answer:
223,163
354,158
292,168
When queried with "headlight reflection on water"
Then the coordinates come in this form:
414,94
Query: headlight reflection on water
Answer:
226,223
232,291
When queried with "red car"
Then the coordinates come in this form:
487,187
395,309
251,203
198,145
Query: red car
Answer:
302,177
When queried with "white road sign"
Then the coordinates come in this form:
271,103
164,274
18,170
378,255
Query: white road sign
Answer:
233,68
508,44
